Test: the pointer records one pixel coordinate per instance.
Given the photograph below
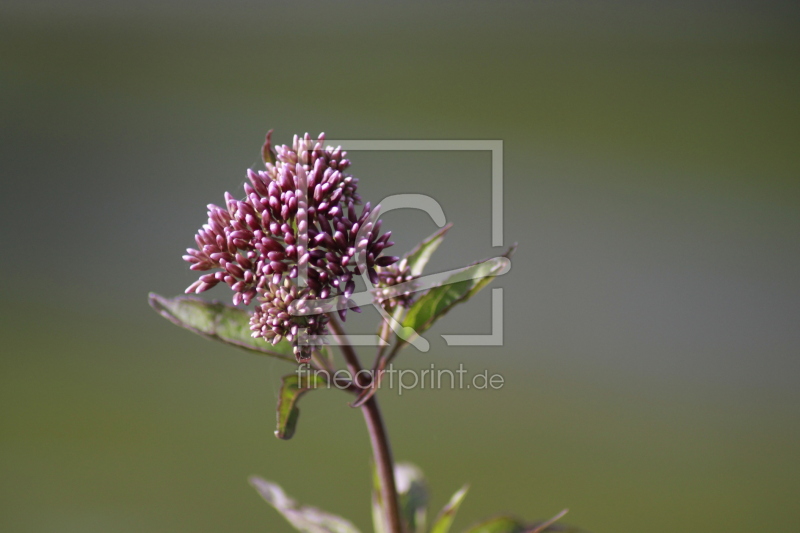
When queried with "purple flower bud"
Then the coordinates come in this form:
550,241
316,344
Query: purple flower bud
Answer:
235,270
339,239
386,260
254,241
349,288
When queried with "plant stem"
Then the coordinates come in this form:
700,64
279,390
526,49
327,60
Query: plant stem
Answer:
378,437
383,461
350,357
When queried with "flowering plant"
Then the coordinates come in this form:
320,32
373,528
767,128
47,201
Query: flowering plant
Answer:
292,250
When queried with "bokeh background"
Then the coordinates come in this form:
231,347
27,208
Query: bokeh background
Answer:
651,315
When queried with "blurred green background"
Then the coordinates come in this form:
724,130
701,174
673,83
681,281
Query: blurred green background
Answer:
652,312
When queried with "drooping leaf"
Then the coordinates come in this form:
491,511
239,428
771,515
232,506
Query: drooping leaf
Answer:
304,519
292,387
421,254
445,518
412,493
456,289
499,524
217,321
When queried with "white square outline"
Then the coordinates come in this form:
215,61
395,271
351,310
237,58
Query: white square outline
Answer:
495,338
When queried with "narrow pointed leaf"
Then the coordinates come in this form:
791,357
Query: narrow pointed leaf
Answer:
267,155
292,387
499,524
457,289
217,321
448,513
304,519
510,524
421,254
549,526
412,492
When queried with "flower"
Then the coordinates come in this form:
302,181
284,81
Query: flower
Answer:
388,278
296,234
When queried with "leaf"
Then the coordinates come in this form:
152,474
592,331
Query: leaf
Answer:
305,519
267,154
421,254
457,288
549,527
217,321
412,492
448,513
509,524
416,260
292,387
378,517
499,524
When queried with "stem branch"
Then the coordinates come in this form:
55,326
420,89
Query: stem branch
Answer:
350,357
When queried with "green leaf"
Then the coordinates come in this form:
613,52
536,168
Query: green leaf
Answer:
217,321
550,526
378,518
416,260
458,288
412,492
499,524
509,524
292,387
448,513
421,254
304,519
267,154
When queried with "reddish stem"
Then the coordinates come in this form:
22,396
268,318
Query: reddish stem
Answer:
379,438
